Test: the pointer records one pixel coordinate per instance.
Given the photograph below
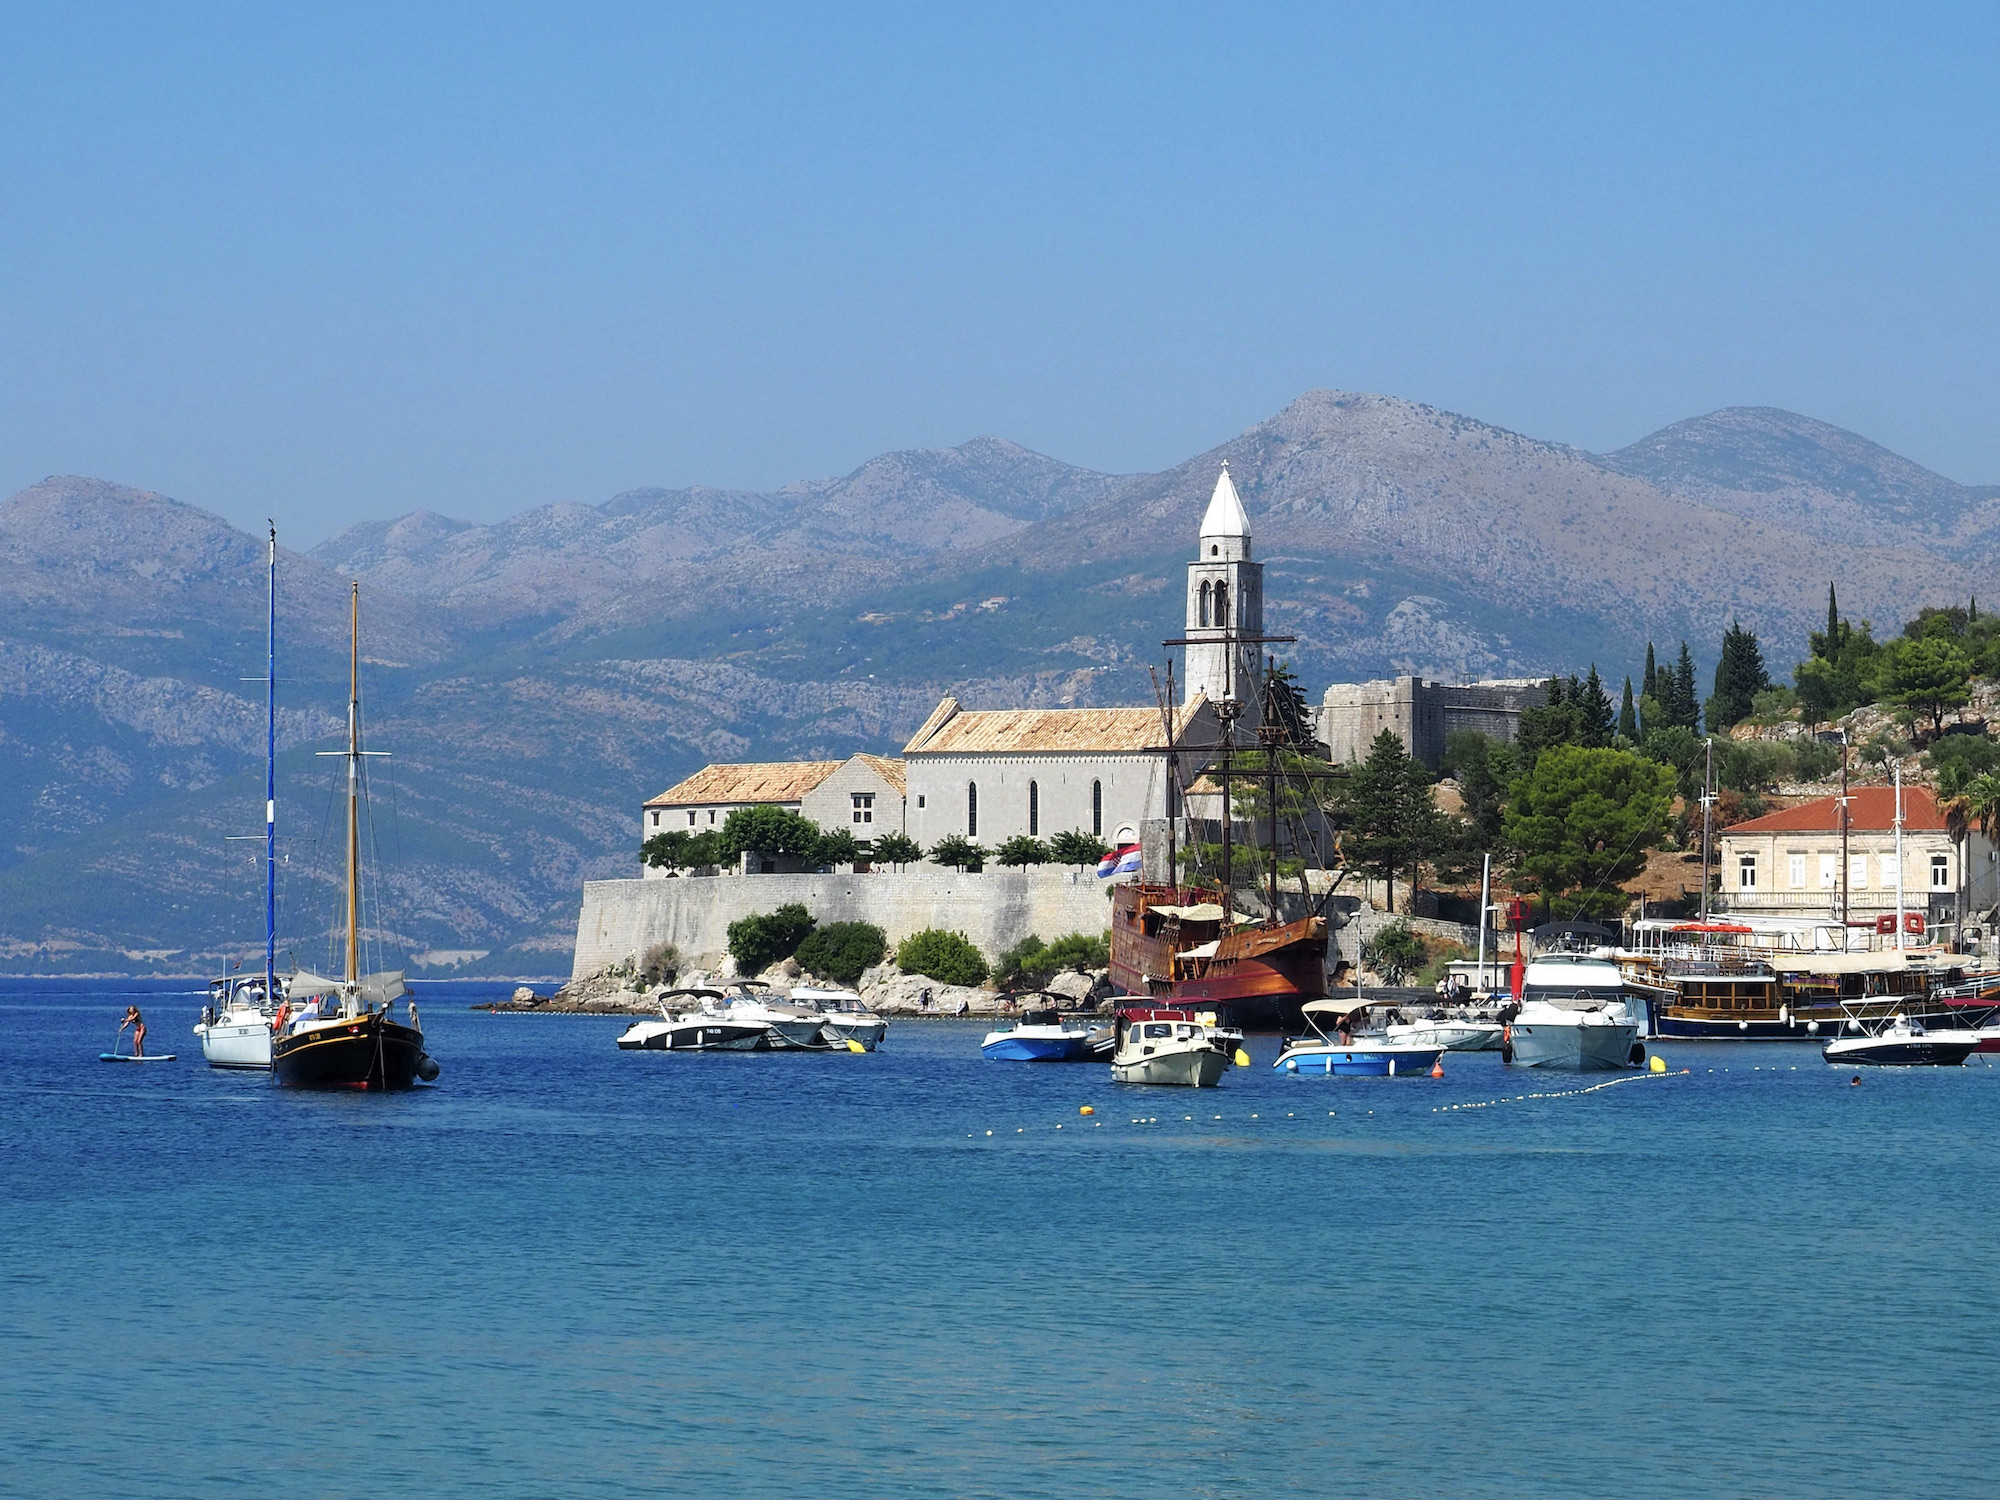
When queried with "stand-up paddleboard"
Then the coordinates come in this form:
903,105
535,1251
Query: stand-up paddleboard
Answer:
128,1057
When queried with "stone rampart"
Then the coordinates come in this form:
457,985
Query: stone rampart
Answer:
995,908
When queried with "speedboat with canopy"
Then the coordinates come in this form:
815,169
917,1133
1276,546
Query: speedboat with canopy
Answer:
1172,1046
1345,1052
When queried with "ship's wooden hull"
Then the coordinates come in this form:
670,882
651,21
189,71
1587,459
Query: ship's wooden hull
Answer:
1257,979
367,1052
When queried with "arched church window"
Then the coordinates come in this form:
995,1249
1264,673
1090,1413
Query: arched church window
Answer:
1204,601
972,809
1214,551
1034,809
1222,604
1097,809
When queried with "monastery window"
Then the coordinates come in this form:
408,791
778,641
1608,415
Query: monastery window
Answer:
1204,602
1892,870
1034,809
1796,870
1940,873
1857,872
656,820
1214,551
972,809
1746,873
920,799
864,806
1097,809
1222,604
690,820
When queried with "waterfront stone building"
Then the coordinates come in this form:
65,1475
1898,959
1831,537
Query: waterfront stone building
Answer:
1423,713
1788,863
864,794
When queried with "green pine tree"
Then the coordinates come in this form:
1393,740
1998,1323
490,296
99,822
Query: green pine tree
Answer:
1628,717
1595,723
1685,710
1739,677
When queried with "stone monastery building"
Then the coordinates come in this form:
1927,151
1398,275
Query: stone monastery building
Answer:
991,774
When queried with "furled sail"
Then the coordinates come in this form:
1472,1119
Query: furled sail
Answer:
379,988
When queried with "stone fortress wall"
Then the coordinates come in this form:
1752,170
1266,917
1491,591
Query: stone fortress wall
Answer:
1422,713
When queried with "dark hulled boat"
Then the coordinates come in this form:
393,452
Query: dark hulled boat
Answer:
345,1036
1173,946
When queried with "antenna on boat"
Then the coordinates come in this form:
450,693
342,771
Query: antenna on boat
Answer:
271,778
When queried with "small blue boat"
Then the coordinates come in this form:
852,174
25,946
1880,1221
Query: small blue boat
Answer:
1040,1036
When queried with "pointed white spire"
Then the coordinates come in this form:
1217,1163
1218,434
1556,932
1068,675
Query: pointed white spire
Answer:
1225,516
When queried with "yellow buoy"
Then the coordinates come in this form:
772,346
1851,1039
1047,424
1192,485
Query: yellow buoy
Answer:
854,1046
1658,1064
1242,1058
1086,1110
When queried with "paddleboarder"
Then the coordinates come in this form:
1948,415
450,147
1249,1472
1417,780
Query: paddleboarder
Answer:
138,1024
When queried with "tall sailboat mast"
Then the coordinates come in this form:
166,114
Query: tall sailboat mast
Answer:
271,781
354,792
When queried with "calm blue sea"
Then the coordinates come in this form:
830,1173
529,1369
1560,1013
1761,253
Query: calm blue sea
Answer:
566,1270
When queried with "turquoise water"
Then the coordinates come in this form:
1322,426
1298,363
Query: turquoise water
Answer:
569,1270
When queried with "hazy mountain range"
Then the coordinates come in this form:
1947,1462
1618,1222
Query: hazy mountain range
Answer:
536,679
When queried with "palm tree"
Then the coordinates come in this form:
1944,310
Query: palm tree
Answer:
1983,793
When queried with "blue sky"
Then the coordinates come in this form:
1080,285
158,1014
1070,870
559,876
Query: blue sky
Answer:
332,263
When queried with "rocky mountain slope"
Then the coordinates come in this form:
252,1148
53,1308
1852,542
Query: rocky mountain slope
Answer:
537,678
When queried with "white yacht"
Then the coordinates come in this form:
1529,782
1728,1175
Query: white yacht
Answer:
1166,1046
235,1026
788,1026
697,1025
844,1014
1574,1014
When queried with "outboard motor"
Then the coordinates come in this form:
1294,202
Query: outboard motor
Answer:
427,1067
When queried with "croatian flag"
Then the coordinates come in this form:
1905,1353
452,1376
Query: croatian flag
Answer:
1124,860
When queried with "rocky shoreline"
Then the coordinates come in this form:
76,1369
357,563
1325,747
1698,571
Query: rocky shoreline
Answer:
884,989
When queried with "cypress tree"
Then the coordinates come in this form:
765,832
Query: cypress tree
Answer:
1739,677
1594,720
1648,687
1628,718
1685,710
1832,616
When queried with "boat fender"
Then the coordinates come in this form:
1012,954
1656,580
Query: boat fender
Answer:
1638,1054
1742,1025
1242,1058
427,1067
1291,1065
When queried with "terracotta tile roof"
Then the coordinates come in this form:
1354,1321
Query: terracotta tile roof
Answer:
951,730
889,770
1870,809
768,781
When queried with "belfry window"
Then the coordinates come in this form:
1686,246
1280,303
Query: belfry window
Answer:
1204,602
1222,604
1097,809
1034,809
972,809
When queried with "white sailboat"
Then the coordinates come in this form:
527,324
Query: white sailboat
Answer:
235,1027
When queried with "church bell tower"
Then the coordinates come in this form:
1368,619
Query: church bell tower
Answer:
1225,605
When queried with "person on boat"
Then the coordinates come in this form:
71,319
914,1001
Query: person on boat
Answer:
138,1024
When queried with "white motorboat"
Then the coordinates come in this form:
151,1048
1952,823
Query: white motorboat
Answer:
1043,1035
844,1014
1168,1047
1452,1036
1574,1014
235,1027
1904,1043
698,1020
789,1027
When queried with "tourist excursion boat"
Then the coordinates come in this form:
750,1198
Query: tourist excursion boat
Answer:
1042,1036
1772,979
1575,1012
347,1037
1347,1052
844,1015
1903,1042
1166,1046
235,1025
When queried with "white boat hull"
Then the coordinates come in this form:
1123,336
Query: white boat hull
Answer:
1598,1047
868,1033
236,1044
1197,1067
1453,1036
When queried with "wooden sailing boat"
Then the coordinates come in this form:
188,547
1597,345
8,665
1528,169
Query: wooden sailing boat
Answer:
345,1037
